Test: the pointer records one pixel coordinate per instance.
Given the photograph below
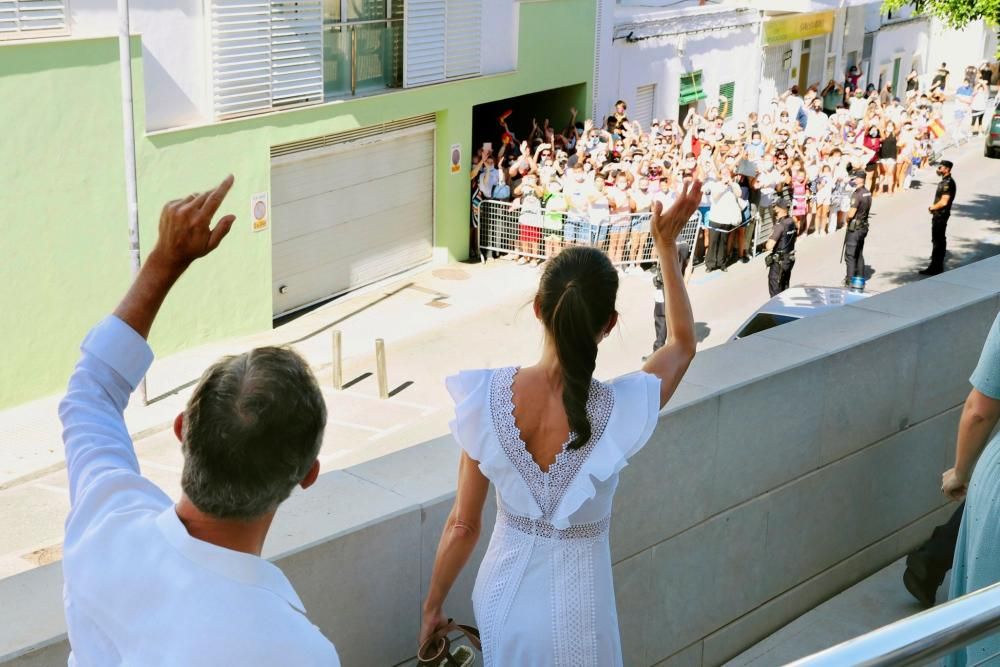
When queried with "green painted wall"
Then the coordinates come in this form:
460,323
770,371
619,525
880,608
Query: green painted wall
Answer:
66,220
64,229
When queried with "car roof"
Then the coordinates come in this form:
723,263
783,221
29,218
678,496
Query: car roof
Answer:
807,300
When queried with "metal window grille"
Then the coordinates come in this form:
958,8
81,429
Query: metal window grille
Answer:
21,19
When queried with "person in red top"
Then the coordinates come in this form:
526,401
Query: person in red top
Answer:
873,142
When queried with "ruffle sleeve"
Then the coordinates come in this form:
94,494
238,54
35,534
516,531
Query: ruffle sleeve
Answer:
633,418
474,432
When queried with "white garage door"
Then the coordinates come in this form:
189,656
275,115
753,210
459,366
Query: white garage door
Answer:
349,215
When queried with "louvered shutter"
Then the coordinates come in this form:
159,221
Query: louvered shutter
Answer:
296,52
464,38
642,108
728,90
443,40
265,54
424,34
26,18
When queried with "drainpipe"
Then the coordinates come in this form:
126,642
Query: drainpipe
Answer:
128,129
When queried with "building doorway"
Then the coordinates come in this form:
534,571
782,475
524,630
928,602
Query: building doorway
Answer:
804,66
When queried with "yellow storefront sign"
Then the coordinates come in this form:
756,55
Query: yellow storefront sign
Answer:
798,26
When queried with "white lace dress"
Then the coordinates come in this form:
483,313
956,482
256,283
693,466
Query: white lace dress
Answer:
544,595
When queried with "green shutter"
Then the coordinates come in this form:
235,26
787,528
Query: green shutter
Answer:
726,90
691,88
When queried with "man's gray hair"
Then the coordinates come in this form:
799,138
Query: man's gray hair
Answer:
252,430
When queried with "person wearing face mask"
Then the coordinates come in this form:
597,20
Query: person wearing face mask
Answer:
873,142
755,148
576,231
641,203
723,216
940,211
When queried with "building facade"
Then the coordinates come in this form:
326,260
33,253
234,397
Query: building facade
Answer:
347,124
663,60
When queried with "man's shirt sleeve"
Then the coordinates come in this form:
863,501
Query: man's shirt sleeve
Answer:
113,360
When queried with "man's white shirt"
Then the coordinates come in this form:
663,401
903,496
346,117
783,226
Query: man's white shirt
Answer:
139,590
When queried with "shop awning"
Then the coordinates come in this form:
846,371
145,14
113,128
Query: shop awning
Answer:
691,88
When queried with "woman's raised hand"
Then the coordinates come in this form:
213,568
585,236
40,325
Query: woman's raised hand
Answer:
667,225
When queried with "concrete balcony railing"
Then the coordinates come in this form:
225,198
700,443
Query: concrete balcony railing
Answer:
789,466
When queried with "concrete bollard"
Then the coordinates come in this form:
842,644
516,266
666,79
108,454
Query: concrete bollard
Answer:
383,378
338,362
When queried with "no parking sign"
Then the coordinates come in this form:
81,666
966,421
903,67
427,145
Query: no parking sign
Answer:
258,211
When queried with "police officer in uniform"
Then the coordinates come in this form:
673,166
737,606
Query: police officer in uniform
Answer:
940,212
781,245
857,228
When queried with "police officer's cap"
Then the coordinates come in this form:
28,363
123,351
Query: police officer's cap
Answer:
783,202
947,163
858,174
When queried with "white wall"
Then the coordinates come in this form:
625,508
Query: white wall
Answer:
959,48
500,31
724,56
907,41
173,51
748,507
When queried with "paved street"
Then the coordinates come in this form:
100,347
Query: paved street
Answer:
463,316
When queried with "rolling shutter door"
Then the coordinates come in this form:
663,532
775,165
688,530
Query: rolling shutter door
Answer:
350,215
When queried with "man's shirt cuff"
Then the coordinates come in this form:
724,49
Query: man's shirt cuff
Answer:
120,347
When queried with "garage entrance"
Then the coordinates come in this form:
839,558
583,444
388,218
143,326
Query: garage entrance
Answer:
349,210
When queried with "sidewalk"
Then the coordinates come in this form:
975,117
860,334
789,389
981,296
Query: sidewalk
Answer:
438,321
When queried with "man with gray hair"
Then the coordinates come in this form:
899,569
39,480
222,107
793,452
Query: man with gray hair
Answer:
148,582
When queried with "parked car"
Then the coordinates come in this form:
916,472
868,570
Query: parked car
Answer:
992,145
795,303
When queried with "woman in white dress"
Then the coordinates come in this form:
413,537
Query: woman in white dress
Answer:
552,439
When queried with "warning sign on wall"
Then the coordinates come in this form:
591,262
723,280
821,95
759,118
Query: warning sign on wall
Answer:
258,211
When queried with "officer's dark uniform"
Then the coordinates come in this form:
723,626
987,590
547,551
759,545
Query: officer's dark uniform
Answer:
857,230
659,308
782,260
939,223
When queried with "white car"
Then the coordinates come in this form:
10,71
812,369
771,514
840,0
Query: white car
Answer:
794,304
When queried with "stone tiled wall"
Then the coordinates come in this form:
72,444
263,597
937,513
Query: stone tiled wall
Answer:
789,466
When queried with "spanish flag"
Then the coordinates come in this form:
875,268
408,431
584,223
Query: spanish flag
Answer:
936,128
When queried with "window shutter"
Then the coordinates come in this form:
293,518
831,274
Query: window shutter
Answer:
28,18
424,33
296,52
727,90
642,109
443,40
464,41
265,54
691,88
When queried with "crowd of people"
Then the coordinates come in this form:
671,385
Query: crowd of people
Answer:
594,185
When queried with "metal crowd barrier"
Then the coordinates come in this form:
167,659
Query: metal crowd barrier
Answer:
537,233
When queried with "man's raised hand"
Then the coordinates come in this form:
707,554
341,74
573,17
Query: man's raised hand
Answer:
667,225
185,231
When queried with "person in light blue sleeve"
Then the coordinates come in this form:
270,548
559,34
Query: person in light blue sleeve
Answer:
151,582
976,478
